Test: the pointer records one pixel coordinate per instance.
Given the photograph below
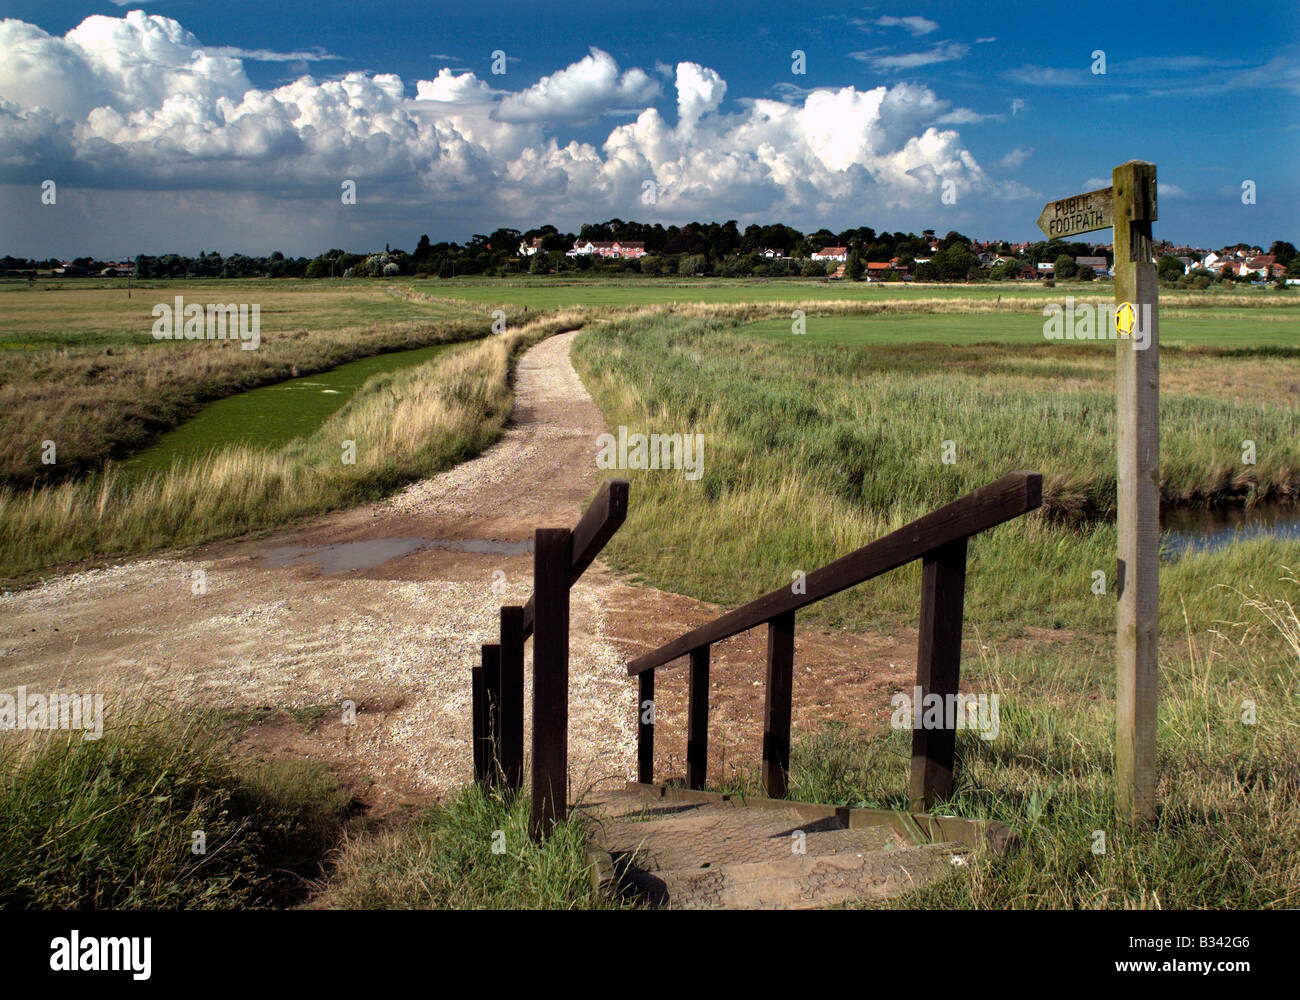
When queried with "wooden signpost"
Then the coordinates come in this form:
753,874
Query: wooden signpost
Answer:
1080,214
1129,205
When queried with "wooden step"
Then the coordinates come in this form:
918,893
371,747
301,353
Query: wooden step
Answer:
698,850
799,882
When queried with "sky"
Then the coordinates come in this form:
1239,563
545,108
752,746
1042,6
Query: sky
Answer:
186,126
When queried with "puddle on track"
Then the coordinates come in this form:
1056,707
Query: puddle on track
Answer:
348,557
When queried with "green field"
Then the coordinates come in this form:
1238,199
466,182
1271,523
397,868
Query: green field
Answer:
1262,328
552,293
77,315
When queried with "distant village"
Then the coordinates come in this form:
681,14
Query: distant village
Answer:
1239,262
708,249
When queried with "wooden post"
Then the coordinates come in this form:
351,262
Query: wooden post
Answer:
478,722
1138,519
776,709
492,714
510,748
552,563
938,670
697,719
645,727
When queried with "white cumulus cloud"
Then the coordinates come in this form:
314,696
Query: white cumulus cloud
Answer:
580,91
139,104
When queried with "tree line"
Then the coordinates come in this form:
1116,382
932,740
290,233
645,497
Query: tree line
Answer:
698,248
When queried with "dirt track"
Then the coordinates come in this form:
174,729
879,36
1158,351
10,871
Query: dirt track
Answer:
286,624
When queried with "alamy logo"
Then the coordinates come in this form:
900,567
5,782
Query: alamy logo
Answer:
1087,321
652,451
36,712
215,322
954,711
102,954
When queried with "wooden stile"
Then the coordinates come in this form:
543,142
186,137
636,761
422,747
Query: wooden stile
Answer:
939,540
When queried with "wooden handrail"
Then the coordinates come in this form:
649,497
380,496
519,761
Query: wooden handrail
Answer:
559,558
939,541
1014,494
603,516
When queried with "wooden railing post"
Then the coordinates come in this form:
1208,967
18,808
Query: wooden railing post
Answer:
697,719
478,720
510,745
645,727
938,670
776,711
552,564
492,711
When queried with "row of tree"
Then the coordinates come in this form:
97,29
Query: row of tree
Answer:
697,248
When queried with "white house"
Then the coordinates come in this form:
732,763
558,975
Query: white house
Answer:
612,249
840,254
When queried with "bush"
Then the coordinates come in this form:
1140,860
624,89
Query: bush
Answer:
692,264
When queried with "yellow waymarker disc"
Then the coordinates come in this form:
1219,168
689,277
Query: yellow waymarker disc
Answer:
1125,316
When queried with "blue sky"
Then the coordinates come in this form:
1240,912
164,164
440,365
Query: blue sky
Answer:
994,104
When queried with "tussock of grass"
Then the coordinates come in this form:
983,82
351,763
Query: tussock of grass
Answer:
445,859
406,425
110,823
